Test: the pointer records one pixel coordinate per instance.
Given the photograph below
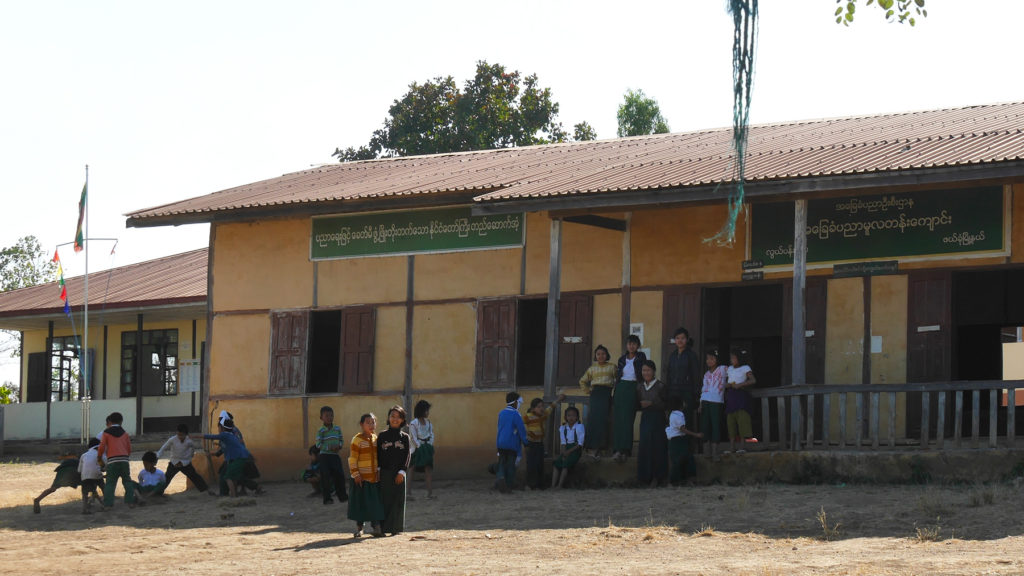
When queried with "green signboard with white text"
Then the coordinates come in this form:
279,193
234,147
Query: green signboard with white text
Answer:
905,226
413,232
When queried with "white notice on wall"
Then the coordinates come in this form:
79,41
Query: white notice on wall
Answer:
637,329
876,344
188,375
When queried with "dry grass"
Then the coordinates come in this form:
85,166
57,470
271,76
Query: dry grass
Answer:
931,533
705,530
829,531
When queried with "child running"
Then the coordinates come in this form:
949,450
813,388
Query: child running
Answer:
421,431
393,455
66,477
571,436
92,476
152,482
679,457
597,382
535,419
179,451
510,441
328,442
364,504
117,447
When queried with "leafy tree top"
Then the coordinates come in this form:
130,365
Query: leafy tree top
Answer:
639,115
25,264
494,109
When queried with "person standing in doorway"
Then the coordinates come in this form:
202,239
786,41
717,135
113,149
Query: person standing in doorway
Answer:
712,403
737,401
682,374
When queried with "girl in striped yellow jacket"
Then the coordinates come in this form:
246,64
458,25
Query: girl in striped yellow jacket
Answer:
364,503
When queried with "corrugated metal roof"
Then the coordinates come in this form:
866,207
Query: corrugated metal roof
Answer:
830,147
176,279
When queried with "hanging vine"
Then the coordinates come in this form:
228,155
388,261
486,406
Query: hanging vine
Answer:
744,17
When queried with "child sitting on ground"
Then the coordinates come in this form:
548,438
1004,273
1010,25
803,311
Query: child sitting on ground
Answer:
91,475
179,451
311,475
152,481
570,436
66,476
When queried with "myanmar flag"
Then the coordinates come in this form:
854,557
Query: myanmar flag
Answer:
79,239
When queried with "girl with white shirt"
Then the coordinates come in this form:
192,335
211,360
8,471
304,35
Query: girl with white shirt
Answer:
571,436
421,432
737,402
712,403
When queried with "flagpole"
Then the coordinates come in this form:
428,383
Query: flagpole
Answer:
84,357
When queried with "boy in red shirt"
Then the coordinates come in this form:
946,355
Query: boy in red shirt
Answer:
116,444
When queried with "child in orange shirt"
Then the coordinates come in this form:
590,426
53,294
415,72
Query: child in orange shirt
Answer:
364,501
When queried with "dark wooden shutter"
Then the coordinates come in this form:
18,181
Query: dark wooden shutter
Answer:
681,309
575,336
928,340
815,309
38,377
496,343
357,336
289,334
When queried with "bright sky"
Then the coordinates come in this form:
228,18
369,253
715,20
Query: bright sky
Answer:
166,101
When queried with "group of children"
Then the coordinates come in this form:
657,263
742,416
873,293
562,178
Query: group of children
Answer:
111,451
378,466
616,393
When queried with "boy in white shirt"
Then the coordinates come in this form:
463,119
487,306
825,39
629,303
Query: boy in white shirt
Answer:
680,459
92,476
179,450
152,482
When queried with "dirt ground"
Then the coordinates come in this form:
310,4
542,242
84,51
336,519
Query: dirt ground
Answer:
468,529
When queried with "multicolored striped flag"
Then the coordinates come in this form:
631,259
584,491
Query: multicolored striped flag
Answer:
79,239
60,282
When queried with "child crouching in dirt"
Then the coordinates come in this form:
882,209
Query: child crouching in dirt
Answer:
311,475
238,460
92,476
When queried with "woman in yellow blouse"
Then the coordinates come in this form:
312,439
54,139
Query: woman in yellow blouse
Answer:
597,381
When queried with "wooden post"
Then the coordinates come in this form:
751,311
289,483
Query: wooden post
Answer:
993,403
799,358
204,381
49,379
766,425
626,276
892,419
810,421
958,415
410,297
859,434
940,422
926,406
138,377
842,420
826,421
795,413
873,419
780,407
975,418
1011,421
554,289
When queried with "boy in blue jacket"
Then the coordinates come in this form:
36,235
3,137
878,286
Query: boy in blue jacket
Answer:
510,441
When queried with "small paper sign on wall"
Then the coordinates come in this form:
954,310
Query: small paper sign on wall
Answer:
188,375
637,329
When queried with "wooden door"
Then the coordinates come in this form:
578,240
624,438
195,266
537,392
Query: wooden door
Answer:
928,339
681,309
38,377
815,307
289,333
496,343
357,337
575,337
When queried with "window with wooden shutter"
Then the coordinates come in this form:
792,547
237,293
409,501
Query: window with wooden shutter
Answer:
289,334
496,343
575,328
357,337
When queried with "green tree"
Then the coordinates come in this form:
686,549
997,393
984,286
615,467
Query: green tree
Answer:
24,264
895,10
8,393
495,109
639,115
583,131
